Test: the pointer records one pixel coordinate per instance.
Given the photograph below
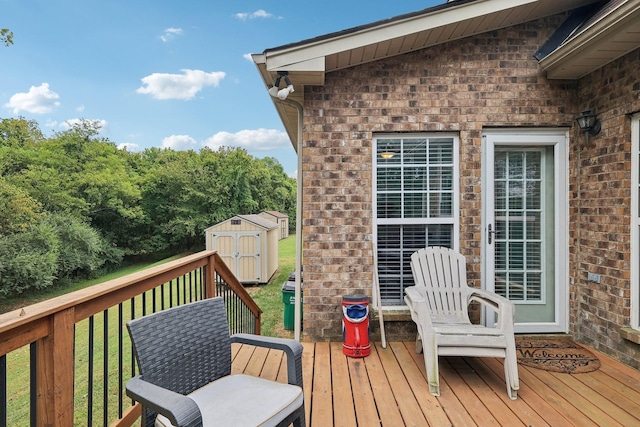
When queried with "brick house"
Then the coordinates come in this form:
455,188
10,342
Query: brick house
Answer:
456,126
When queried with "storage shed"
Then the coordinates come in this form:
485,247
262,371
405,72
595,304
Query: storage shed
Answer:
248,244
279,218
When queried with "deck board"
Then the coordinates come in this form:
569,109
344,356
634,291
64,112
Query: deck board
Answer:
343,405
388,410
321,397
389,388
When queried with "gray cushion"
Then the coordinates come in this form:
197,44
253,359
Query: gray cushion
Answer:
243,400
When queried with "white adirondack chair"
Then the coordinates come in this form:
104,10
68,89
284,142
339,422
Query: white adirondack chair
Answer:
439,306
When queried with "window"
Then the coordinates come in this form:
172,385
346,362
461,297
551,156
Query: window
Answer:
416,204
635,222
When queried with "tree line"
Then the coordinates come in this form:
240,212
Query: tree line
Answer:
74,205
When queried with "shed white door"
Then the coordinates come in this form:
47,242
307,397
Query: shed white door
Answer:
241,252
525,241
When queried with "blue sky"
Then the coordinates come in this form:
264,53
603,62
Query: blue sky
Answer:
163,73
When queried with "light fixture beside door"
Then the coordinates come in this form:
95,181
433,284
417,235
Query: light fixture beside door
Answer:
588,123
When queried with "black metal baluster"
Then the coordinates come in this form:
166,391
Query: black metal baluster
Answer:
184,287
105,368
90,375
3,389
144,306
120,358
171,293
133,316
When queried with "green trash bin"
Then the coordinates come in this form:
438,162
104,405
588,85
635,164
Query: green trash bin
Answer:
289,300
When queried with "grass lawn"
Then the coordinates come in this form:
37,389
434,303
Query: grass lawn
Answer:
269,296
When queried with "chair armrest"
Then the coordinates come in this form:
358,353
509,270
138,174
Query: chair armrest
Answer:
416,299
181,410
415,293
292,348
501,305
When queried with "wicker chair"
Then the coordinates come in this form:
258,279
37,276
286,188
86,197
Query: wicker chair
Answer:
184,357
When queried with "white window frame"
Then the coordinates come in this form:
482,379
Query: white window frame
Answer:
635,222
454,219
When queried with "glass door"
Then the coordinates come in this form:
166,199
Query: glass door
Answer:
521,242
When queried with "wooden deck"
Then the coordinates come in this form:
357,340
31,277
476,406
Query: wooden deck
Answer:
389,388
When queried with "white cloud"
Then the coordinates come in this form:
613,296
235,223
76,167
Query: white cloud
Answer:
50,123
129,146
243,16
80,109
39,100
170,34
179,142
179,86
101,125
254,140
248,57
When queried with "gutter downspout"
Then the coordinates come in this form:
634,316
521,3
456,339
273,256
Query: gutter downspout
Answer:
297,318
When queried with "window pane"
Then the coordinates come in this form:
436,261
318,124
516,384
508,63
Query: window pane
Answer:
396,243
388,151
415,178
389,179
415,151
414,181
441,205
415,205
389,206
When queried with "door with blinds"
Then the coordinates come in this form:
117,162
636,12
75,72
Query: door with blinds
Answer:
525,241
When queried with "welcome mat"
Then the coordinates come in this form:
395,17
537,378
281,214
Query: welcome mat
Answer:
556,355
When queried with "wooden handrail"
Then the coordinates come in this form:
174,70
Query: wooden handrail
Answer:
50,325
24,325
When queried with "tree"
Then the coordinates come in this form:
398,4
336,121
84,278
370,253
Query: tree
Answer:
18,211
6,36
82,251
28,260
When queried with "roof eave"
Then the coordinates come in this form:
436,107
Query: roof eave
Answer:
561,63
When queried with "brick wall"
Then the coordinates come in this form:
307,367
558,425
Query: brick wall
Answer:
491,79
600,211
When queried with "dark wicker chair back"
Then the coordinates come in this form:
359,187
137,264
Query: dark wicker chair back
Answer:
184,348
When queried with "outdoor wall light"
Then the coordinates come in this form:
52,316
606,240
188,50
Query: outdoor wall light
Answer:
275,90
588,123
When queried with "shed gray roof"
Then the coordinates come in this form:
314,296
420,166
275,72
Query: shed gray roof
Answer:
276,214
258,220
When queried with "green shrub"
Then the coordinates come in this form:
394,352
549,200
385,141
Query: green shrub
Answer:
28,260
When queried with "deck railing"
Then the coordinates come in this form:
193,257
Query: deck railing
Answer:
65,361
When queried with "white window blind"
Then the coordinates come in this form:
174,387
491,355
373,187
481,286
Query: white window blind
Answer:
416,204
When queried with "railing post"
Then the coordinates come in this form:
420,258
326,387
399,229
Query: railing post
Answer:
210,279
55,368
